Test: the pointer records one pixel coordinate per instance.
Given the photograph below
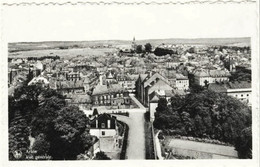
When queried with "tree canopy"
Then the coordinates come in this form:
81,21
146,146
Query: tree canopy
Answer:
205,114
139,49
101,156
148,48
60,131
163,51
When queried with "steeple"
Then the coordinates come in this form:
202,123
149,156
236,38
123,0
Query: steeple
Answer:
133,43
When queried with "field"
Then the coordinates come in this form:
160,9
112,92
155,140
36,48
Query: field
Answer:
69,49
64,53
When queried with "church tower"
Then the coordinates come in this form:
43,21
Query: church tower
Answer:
133,44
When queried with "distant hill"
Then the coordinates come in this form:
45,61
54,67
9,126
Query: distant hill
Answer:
27,46
200,41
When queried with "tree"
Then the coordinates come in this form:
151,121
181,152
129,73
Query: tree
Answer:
162,51
83,157
60,130
65,140
206,82
18,138
148,47
44,116
195,88
26,100
162,105
139,49
41,145
243,144
101,156
204,114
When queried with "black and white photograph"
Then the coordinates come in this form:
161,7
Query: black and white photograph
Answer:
124,80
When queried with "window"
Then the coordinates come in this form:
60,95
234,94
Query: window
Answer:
103,133
241,95
103,125
247,95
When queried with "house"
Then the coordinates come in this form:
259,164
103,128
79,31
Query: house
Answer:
110,95
148,83
103,125
201,76
182,82
240,90
110,134
83,101
66,87
156,95
127,82
73,76
39,79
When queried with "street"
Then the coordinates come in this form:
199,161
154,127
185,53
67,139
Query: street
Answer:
136,137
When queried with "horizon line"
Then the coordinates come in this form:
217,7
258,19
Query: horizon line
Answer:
93,40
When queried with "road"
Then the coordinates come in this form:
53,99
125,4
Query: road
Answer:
136,136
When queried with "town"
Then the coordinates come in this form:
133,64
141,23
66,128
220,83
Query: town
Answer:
130,101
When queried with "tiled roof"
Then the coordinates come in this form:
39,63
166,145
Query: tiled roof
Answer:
169,93
154,97
69,84
201,73
143,76
217,87
217,73
180,76
100,89
115,88
239,85
222,87
79,98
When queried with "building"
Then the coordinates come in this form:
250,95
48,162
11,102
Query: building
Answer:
112,95
240,90
202,76
182,82
148,83
110,134
103,125
134,44
127,82
73,76
66,87
156,96
39,79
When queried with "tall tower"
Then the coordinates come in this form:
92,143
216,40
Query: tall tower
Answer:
133,44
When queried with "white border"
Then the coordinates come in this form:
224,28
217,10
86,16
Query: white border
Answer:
3,102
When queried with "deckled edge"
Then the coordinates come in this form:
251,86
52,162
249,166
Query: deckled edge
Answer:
130,3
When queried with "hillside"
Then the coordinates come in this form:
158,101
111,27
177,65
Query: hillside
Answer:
27,46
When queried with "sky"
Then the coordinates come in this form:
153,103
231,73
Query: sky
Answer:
107,22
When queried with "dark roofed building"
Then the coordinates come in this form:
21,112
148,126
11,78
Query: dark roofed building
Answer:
103,125
112,95
240,90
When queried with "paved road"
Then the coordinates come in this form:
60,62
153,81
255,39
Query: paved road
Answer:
136,137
